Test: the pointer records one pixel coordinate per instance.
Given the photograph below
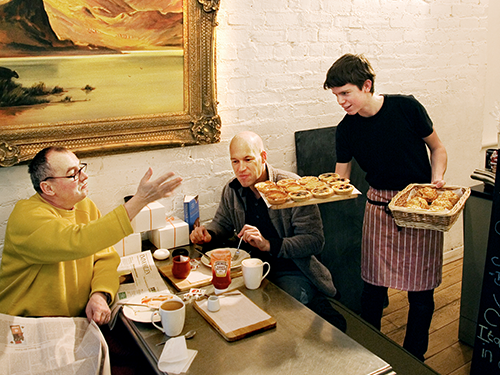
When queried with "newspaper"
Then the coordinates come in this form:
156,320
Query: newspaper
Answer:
138,275
52,346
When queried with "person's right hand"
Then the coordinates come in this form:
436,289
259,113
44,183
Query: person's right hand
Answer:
150,191
200,235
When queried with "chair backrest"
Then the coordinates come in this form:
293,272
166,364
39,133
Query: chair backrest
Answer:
342,221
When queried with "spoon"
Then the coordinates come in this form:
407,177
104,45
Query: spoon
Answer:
188,335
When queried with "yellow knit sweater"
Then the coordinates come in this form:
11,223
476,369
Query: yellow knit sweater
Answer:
54,259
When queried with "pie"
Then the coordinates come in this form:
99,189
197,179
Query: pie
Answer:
329,177
276,196
262,187
283,183
322,192
293,186
301,195
343,188
306,179
314,184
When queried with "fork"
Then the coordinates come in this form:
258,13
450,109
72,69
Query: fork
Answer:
237,252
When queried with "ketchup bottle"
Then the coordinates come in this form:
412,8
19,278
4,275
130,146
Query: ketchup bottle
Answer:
221,269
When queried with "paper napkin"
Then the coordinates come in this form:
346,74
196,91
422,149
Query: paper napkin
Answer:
176,357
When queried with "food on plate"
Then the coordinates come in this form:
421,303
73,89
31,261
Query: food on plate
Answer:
429,193
329,177
449,195
156,300
293,186
417,202
276,196
343,188
301,195
262,187
306,179
322,192
283,183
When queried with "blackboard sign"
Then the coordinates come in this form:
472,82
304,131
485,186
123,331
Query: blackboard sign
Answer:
486,355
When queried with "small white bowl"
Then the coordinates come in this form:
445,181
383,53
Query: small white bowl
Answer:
161,254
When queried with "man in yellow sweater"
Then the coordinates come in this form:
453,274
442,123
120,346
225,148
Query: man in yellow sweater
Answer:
58,258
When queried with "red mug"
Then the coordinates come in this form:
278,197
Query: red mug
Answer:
181,266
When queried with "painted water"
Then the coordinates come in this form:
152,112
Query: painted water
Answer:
132,84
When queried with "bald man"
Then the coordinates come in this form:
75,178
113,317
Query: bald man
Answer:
289,239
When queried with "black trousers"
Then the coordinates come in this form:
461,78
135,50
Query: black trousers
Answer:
419,316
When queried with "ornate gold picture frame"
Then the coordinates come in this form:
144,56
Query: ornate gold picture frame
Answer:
198,123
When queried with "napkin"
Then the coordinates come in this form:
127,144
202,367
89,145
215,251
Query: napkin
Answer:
176,357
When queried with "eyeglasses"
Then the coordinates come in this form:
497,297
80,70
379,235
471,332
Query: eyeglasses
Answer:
74,177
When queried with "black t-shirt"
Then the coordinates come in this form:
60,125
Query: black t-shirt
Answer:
388,146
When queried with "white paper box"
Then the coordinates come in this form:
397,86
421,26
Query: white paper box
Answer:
151,217
129,245
174,234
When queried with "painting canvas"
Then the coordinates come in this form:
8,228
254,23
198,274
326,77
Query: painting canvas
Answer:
106,76
86,59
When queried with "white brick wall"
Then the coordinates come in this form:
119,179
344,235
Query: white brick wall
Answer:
272,57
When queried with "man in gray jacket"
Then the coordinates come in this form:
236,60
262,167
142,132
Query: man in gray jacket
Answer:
287,238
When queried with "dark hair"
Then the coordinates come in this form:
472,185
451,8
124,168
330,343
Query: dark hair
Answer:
39,168
353,69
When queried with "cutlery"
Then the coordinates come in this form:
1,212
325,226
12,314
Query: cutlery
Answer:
136,304
237,253
188,335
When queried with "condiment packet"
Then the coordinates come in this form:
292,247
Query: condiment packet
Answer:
176,357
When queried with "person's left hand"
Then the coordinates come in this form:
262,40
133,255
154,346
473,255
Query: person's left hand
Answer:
252,236
97,309
439,183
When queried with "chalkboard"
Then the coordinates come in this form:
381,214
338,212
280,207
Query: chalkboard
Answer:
342,221
486,355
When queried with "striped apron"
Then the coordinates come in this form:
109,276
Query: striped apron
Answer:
395,257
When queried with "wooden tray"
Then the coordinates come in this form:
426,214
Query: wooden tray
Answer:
333,198
238,312
183,285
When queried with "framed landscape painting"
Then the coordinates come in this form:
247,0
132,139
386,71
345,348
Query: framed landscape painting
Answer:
101,77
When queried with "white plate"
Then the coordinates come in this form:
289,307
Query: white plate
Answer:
151,302
235,264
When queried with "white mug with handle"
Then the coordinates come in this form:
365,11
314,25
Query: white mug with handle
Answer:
172,314
253,270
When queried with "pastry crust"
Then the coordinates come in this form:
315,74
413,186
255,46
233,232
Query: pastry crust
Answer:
301,195
329,177
441,204
417,202
283,183
428,193
276,196
293,186
322,192
315,184
343,188
449,195
306,179
264,186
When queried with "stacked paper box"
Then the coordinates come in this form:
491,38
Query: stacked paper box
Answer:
129,245
149,218
174,234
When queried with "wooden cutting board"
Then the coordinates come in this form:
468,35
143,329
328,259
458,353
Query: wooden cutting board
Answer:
183,285
237,318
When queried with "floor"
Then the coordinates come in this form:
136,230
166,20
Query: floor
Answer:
446,354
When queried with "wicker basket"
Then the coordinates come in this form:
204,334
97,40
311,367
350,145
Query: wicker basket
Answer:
424,219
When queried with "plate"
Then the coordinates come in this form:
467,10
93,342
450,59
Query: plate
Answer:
235,264
151,302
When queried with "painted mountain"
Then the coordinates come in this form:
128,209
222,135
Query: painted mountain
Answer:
45,27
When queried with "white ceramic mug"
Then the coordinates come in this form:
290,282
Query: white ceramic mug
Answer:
253,269
172,314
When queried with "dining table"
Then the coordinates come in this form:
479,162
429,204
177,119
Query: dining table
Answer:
301,342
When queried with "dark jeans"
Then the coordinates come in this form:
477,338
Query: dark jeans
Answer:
419,316
300,288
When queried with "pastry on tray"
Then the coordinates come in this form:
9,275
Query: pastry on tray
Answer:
322,192
276,196
429,193
329,177
449,195
262,187
304,180
417,202
343,188
300,196
293,186
315,184
441,204
283,183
